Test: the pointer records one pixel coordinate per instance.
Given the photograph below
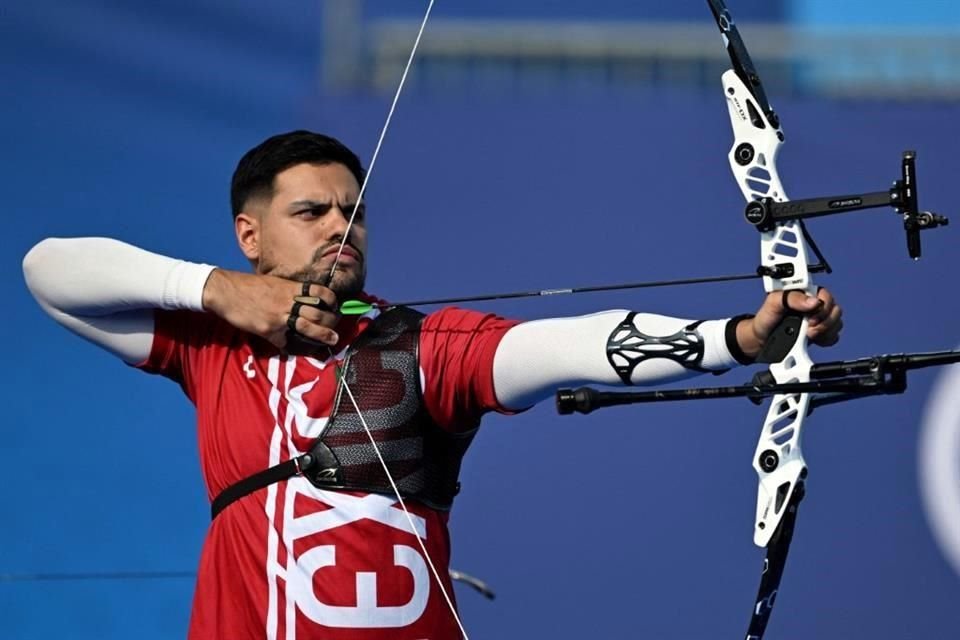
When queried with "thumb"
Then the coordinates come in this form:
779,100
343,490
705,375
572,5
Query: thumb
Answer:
800,301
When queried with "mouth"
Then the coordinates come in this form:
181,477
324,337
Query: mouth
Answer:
349,254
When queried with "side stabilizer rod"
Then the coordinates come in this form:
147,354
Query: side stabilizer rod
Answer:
852,379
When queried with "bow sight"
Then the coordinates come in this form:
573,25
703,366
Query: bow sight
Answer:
766,213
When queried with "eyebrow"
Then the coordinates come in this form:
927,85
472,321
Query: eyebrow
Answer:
300,205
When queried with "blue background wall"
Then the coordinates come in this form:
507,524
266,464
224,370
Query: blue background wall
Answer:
934,13
126,122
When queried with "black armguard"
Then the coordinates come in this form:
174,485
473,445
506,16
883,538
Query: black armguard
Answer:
627,347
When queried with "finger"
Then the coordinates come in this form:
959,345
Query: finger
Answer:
824,294
827,334
829,303
298,344
833,317
799,301
312,323
824,322
318,316
304,328
319,295
827,312
829,338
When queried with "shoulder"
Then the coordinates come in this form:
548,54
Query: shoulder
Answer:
466,320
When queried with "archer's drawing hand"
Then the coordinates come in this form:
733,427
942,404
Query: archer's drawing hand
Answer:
824,319
261,305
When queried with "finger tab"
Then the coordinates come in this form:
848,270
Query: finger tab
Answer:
326,299
310,301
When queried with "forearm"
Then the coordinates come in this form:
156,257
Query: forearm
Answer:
105,290
611,347
99,276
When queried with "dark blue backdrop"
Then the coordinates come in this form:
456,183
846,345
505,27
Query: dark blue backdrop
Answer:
631,522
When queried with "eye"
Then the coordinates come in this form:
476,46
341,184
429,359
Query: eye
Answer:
315,211
361,212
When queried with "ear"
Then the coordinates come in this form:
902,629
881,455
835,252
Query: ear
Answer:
247,228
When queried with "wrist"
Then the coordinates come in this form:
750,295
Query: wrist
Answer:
741,340
215,291
747,339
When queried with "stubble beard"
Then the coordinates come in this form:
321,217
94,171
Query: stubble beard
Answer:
347,281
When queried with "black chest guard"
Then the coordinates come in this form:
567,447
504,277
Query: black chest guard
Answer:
382,370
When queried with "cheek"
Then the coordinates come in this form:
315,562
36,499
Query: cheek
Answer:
283,250
359,237
288,242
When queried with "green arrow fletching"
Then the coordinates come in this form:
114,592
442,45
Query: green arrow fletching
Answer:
355,308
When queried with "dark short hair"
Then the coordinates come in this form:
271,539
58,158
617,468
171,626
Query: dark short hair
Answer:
258,167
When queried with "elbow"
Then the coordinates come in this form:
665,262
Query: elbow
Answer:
38,265
34,260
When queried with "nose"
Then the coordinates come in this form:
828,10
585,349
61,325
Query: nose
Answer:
339,221
340,230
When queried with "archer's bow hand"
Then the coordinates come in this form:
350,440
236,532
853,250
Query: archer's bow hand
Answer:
281,311
824,319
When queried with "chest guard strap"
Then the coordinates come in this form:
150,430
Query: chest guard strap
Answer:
382,369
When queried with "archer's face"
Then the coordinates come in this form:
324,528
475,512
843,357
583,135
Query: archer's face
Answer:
296,234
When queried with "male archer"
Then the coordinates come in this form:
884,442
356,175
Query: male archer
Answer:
319,546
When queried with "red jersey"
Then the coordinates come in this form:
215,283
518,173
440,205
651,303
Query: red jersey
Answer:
293,561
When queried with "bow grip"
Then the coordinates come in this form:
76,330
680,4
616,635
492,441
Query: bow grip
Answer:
782,339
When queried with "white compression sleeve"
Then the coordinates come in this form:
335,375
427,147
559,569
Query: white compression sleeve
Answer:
105,290
535,358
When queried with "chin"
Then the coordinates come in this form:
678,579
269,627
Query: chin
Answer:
347,285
